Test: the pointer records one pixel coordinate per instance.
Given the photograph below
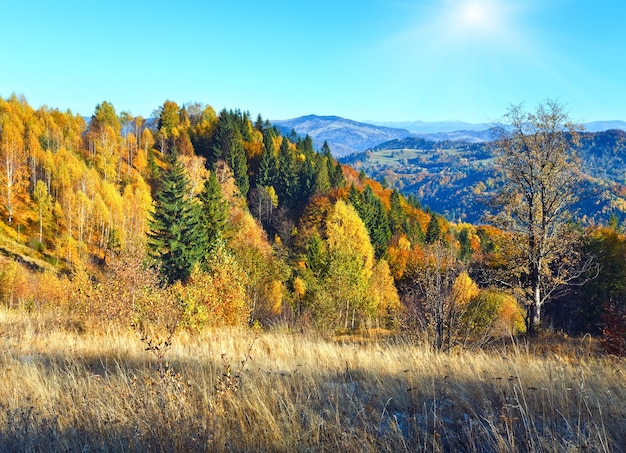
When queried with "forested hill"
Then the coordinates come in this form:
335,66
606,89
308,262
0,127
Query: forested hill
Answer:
456,177
221,219
224,204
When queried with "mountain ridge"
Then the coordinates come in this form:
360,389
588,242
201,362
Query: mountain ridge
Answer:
346,136
433,127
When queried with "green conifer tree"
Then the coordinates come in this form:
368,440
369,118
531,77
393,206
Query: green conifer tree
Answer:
322,181
315,256
374,216
266,175
288,176
214,209
398,222
228,145
307,179
380,233
177,239
465,246
335,173
221,138
238,162
433,232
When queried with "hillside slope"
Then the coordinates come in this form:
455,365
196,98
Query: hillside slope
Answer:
456,177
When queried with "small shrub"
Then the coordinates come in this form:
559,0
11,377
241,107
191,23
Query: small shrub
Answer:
230,380
13,284
37,245
613,338
494,314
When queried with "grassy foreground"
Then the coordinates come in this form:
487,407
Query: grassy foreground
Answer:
62,390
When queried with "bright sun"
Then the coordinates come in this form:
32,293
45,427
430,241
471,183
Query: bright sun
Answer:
475,25
463,28
474,14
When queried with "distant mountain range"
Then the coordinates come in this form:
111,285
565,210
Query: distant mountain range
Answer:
433,127
449,165
601,126
343,136
346,136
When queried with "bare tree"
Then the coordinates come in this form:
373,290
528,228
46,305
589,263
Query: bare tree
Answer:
262,202
541,179
436,306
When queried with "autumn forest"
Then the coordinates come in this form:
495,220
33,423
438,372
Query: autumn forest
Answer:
195,221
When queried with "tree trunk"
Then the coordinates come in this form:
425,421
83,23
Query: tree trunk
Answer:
533,312
537,315
533,315
533,318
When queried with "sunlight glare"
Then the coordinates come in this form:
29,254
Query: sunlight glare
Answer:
476,17
463,37
474,14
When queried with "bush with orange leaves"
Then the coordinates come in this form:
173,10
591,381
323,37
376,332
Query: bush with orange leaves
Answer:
48,289
448,308
216,297
493,314
13,284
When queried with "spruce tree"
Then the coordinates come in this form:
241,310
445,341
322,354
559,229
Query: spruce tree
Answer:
228,145
238,162
221,138
214,209
465,246
322,181
307,179
380,233
397,217
154,172
355,197
259,125
177,239
316,256
266,174
288,176
374,216
305,145
433,232
415,233
335,173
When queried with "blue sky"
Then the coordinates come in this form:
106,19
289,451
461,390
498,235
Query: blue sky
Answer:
383,60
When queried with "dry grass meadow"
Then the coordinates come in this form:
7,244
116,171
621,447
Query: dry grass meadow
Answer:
63,388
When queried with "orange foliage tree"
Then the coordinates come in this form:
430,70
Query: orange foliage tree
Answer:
14,169
216,297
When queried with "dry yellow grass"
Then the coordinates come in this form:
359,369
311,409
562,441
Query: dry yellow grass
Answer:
62,390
